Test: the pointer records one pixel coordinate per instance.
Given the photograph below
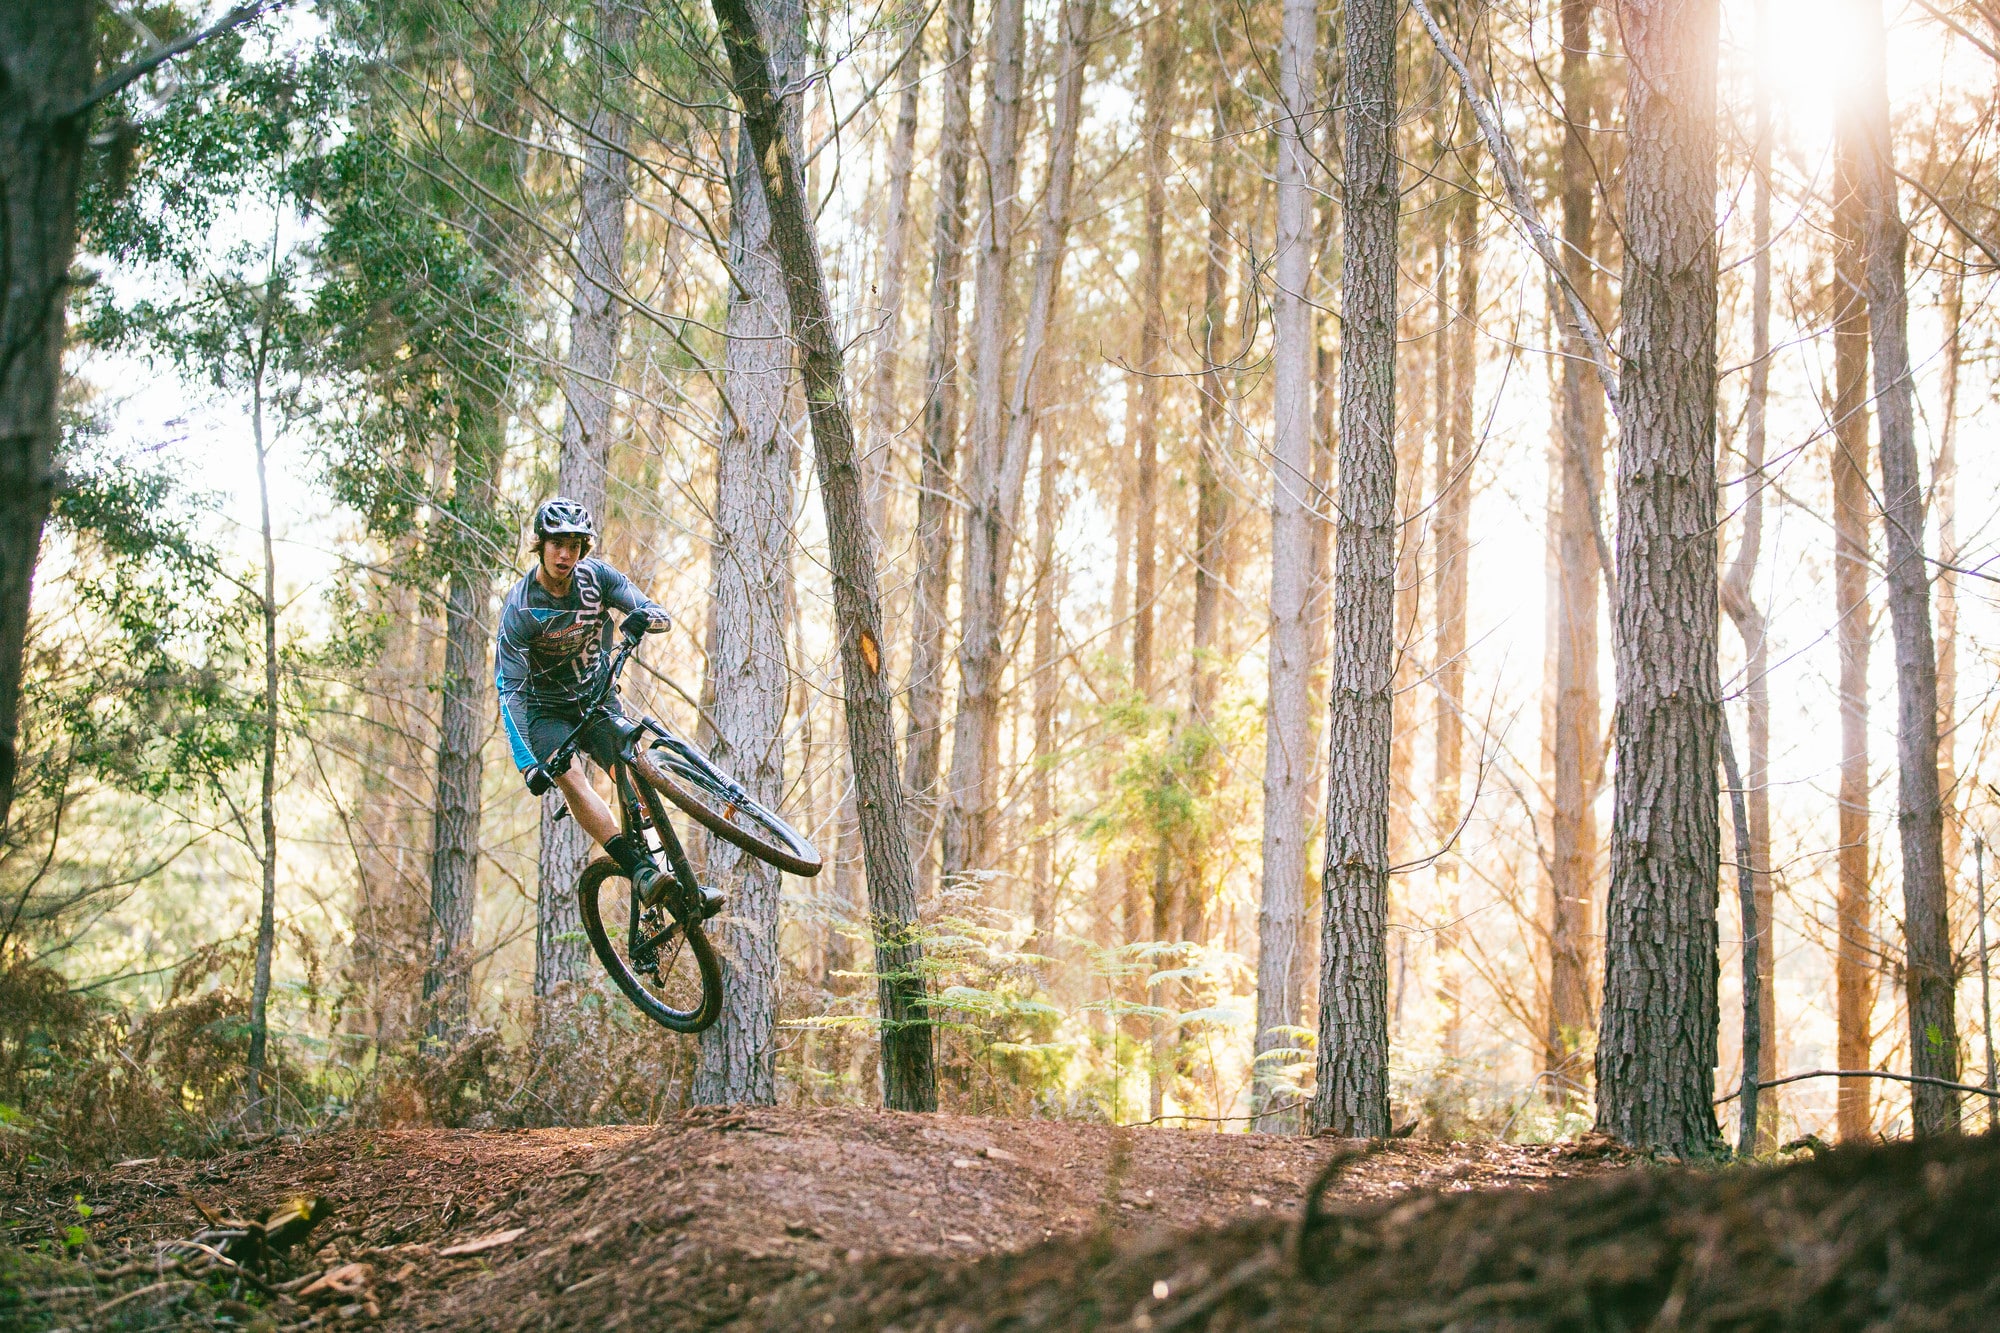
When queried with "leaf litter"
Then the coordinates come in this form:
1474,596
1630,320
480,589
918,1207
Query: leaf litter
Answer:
854,1219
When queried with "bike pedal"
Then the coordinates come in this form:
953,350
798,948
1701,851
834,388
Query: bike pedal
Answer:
713,900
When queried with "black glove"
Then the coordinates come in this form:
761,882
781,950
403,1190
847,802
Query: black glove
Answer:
642,621
541,777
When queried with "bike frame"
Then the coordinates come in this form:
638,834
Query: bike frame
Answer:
639,807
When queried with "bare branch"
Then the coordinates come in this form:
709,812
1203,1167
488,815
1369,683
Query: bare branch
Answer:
125,76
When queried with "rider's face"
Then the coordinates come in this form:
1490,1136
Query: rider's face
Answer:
559,556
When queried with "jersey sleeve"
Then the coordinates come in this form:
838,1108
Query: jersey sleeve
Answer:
510,676
621,592
510,651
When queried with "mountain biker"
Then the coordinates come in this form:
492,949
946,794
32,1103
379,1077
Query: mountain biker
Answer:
554,629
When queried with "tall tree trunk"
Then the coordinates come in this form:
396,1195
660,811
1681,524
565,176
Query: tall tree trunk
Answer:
1739,601
909,1077
1047,691
935,492
1319,608
267,791
749,593
1211,518
1572,1013
493,162
1353,1093
1160,58
1944,499
1003,432
1854,957
895,263
989,534
1178,859
1420,357
462,712
1023,415
1159,62
1459,351
1929,982
1288,731
46,62
1657,1037
596,322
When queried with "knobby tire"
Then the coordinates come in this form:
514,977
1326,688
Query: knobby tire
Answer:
734,818
591,886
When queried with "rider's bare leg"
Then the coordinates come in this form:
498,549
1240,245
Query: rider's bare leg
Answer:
592,815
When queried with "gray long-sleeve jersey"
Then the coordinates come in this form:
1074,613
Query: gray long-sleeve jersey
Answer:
549,648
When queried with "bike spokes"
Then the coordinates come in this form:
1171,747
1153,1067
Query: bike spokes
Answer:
725,809
666,969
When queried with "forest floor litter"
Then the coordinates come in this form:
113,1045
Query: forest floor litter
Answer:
852,1219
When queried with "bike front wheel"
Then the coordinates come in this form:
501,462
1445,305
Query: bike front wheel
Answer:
667,969
722,808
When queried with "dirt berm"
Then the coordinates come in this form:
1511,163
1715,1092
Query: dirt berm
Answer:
842,1219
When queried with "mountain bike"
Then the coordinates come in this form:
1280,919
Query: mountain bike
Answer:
658,952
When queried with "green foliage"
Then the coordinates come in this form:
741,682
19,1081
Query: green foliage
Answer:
224,128
86,1080
158,708
410,312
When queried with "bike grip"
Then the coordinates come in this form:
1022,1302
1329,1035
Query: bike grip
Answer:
539,779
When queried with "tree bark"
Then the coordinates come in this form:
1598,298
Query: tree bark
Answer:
461,711
596,323
1288,731
989,533
895,264
1657,1037
1421,362
1159,60
749,594
267,791
1929,980
1739,601
1752,1041
1179,895
1459,349
909,1079
935,491
493,151
1944,500
46,63
1047,692
1572,1013
1211,516
1024,414
1353,1092
1855,953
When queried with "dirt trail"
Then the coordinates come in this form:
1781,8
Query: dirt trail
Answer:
766,1221
1897,1239
723,1217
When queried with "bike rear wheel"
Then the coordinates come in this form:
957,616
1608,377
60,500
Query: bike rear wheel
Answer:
665,968
723,808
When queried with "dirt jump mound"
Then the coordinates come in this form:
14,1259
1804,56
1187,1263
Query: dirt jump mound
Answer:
1904,1237
855,1220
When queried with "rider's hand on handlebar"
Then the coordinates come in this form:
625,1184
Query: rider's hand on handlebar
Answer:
639,623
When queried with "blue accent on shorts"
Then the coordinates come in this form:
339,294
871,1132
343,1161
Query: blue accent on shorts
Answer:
524,758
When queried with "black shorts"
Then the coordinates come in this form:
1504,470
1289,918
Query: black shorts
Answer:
535,730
